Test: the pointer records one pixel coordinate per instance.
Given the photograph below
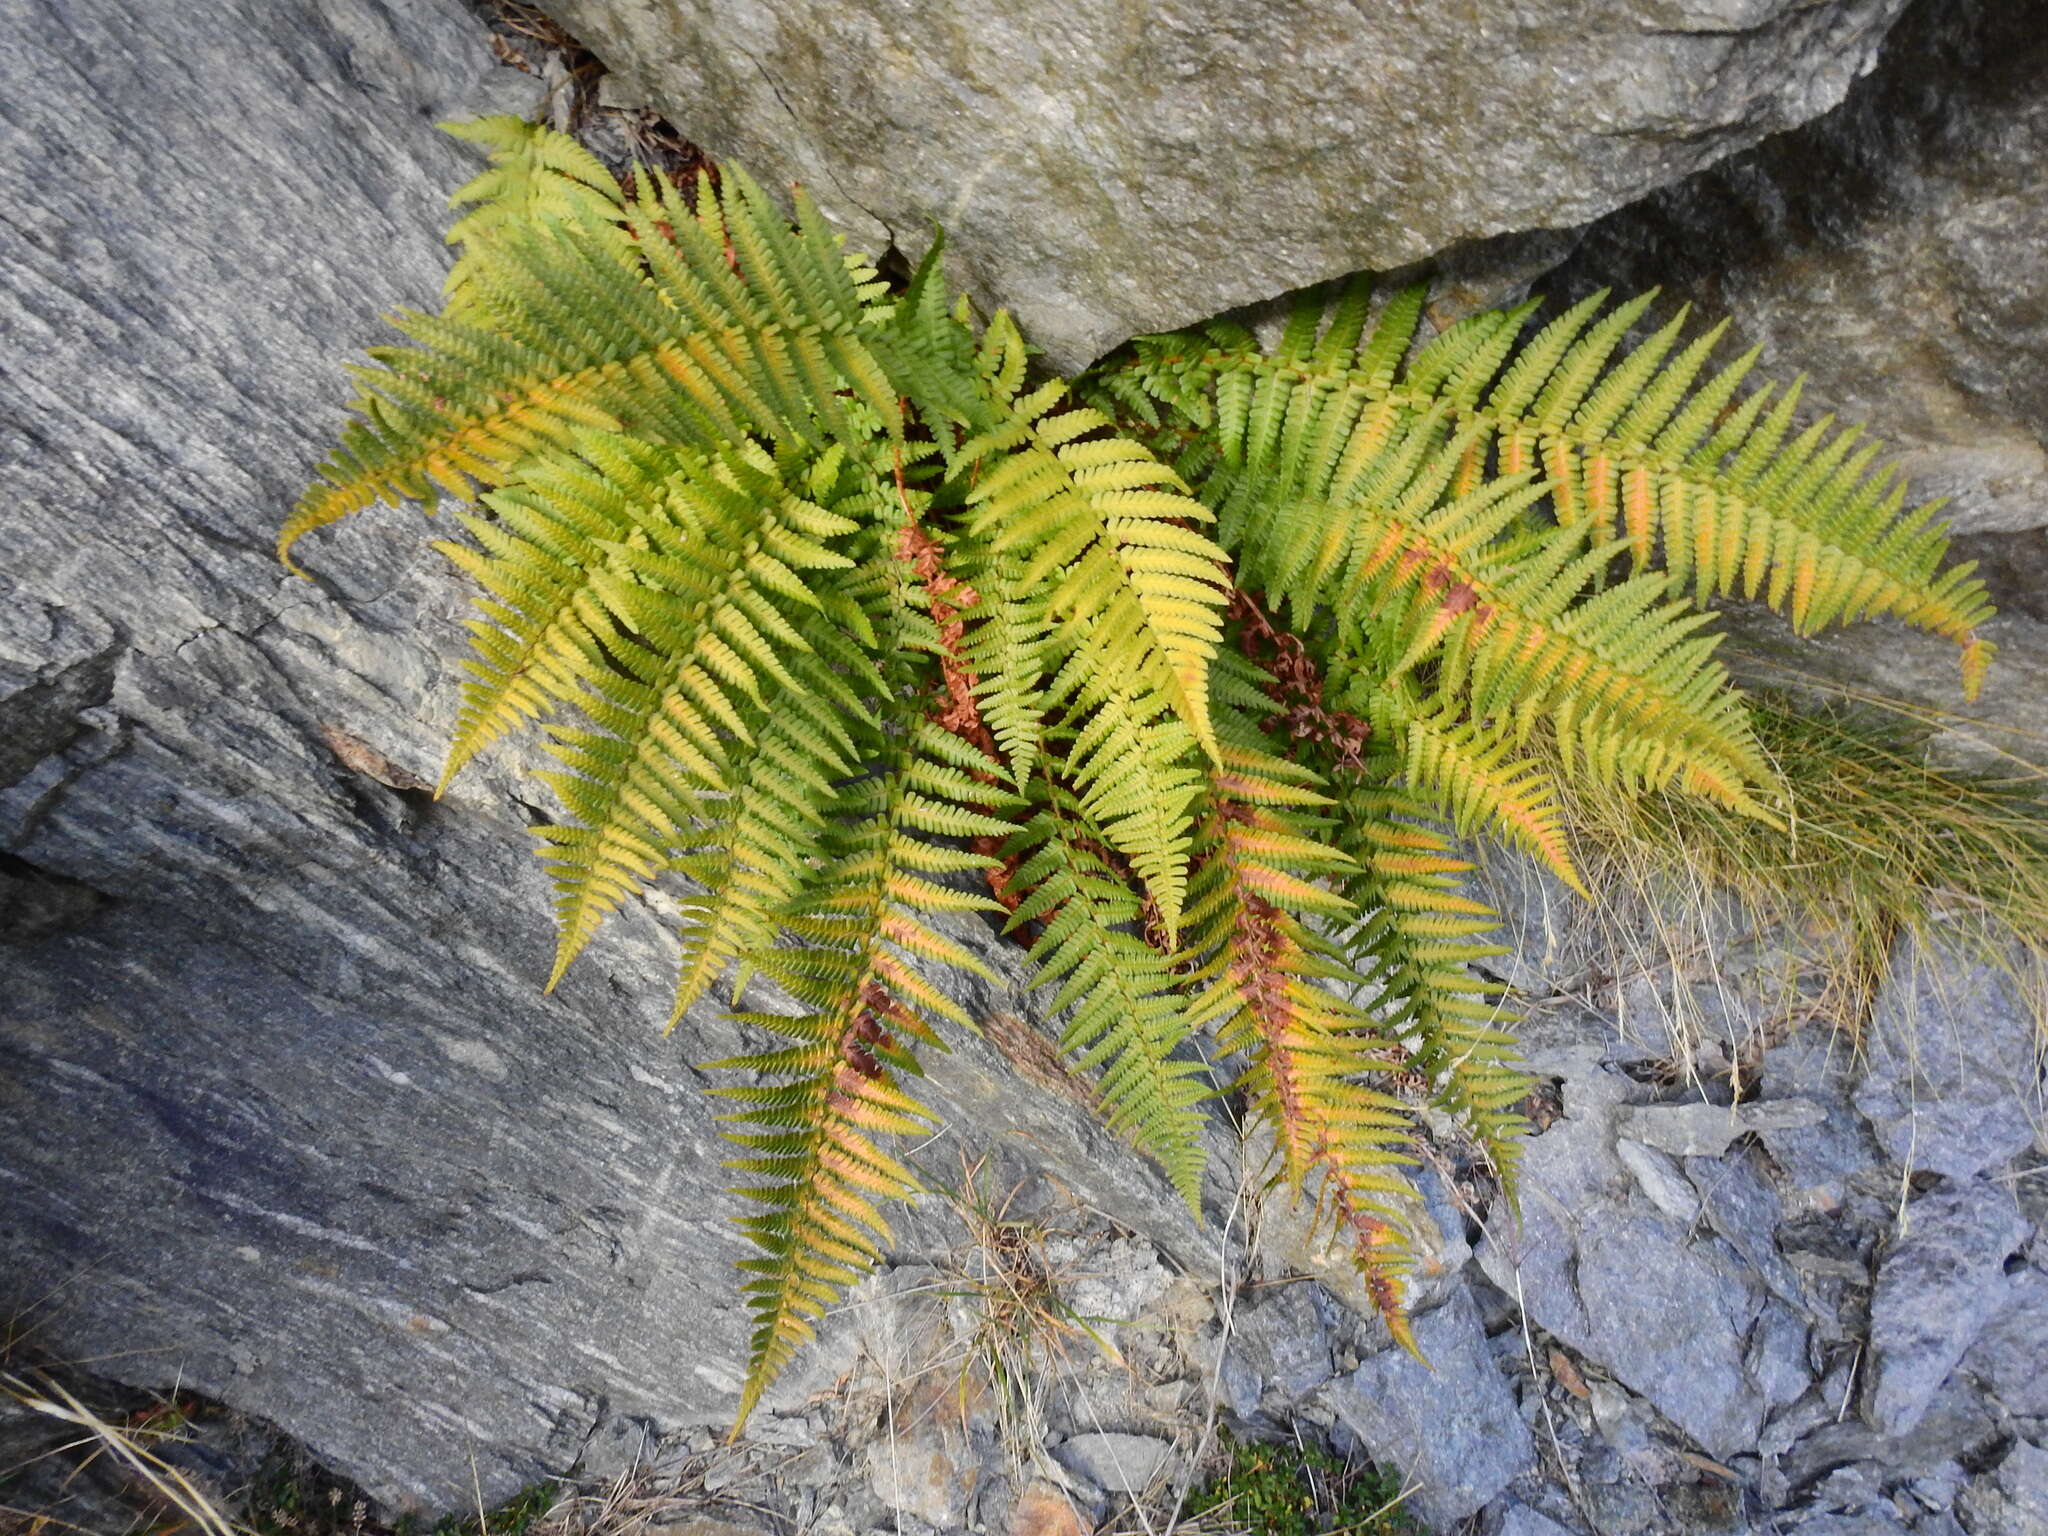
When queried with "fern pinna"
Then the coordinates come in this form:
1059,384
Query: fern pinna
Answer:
827,603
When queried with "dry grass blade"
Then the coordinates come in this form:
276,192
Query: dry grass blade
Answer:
38,1393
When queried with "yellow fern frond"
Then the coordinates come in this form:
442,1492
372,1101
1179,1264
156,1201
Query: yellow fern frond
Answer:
1477,779
688,346
810,1118
1319,1064
1507,619
1105,524
663,637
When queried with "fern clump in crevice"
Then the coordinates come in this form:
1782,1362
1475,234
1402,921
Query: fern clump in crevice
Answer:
821,598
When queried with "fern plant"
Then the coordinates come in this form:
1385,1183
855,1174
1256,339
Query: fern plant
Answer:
827,604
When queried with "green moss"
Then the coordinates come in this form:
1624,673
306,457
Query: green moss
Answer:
1291,1490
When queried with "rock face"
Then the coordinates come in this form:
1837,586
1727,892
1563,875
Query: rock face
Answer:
1615,1277
275,1070
1954,1082
1938,1286
289,1094
1451,1424
1108,169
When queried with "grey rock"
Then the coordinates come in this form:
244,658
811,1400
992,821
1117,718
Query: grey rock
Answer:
1238,1385
1622,1285
1941,1281
1116,1463
1671,1323
1953,1082
1816,1163
1660,1178
1097,172
1875,1519
2013,1500
1279,1347
619,1446
2031,1188
1777,1357
1619,1418
1742,1206
1937,1490
287,1119
1521,1520
1450,1426
2010,1357
1707,1130
1549,946
1624,1507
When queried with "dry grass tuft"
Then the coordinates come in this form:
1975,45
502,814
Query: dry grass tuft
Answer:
1873,841
1023,1328
130,1446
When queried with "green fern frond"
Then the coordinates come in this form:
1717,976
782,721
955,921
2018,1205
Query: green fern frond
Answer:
1132,762
752,853
663,638
1642,448
1007,645
1418,941
1126,1012
1359,522
1105,525
535,177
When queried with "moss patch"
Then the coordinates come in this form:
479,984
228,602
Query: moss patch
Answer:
1291,1490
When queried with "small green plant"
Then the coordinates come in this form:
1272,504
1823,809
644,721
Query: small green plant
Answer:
1297,1490
1187,673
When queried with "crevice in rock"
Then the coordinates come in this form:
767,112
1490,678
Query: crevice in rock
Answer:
43,717
36,903
524,37
1947,67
